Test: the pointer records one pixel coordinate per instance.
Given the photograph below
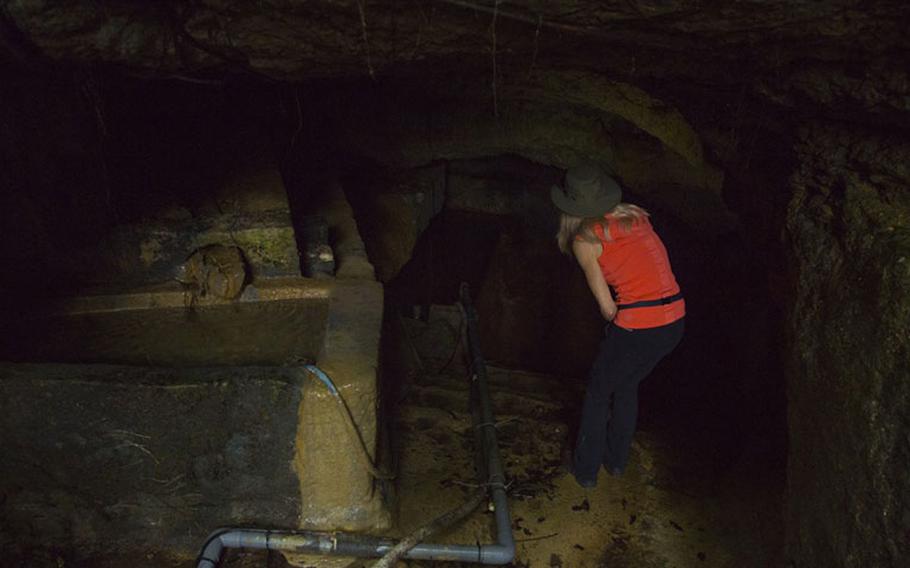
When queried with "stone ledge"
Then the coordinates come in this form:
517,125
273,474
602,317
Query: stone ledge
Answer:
101,448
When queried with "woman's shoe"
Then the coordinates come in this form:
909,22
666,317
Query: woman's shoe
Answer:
586,484
568,464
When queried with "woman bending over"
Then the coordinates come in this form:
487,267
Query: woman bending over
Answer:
617,248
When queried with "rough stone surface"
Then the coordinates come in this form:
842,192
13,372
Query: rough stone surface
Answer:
404,129
627,101
337,487
279,38
393,213
507,186
849,232
164,328
351,259
747,77
532,296
153,252
250,212
255,441
111,458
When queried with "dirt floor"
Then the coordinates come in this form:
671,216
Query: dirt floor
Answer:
683,501
686,499
653,516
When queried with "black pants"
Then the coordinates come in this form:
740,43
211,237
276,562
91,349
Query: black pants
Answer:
610,410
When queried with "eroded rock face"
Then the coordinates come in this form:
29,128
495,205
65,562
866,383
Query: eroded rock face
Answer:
848,491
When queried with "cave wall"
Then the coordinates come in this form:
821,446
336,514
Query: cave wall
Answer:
804,106
110,181
54,188
814,148
848,230
87,156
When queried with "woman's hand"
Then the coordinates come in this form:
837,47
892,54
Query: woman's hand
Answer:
587,253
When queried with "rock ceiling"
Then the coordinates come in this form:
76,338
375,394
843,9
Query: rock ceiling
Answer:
653,63
294,40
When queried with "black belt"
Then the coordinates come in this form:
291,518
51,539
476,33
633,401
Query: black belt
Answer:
649,303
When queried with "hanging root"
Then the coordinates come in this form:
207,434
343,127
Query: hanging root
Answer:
366,42
536,44
493,50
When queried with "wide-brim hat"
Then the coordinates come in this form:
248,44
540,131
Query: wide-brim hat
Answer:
589,192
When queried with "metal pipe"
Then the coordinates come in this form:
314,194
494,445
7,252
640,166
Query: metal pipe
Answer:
346,544
495,476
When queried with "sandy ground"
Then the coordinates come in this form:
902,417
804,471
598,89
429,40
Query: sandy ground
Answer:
683,502
643,518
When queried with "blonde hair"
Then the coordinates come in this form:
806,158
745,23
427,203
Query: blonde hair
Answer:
628,215
571,227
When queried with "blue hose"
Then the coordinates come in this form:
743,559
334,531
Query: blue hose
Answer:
320,374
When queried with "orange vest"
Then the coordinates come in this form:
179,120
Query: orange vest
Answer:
635,264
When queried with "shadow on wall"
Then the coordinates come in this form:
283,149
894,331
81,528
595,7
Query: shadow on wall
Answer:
535,311
100,162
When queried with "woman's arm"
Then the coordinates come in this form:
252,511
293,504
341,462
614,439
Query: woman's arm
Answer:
586,253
